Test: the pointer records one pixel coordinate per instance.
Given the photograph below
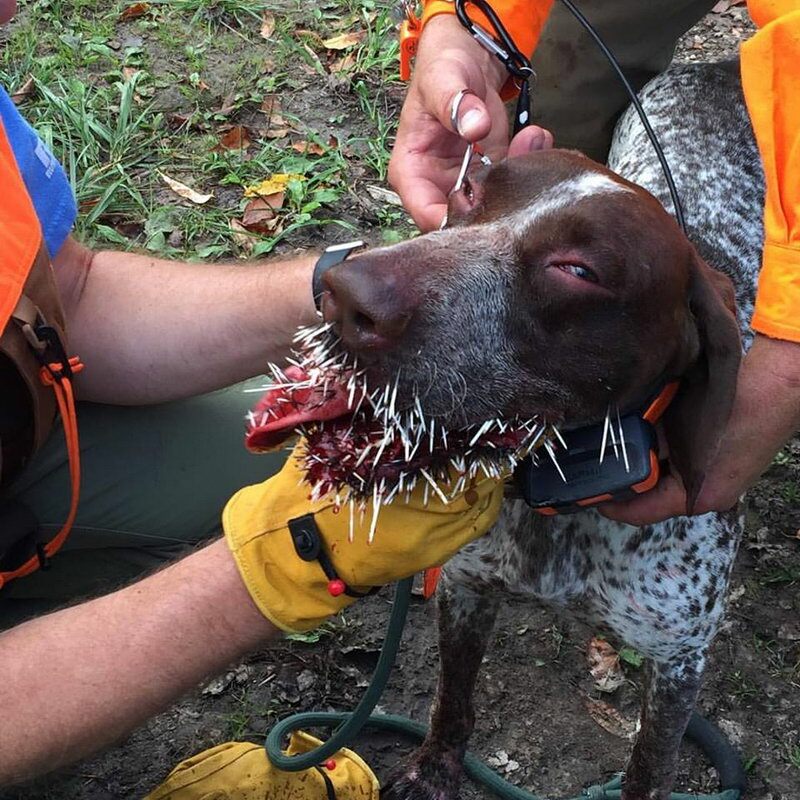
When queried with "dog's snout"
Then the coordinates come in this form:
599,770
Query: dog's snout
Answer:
369,307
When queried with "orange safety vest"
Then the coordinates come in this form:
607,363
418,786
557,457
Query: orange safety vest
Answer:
35,372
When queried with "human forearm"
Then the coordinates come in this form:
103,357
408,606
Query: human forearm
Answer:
81,678
150,330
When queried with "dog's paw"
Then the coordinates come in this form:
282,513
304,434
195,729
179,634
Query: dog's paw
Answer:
426,775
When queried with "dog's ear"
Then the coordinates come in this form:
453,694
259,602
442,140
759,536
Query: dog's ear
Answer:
695,420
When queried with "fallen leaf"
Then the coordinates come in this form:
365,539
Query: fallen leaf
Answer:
24,90
383,195
267,25
260,217
274,201
609,719
721,7
182,190
128,73
134,11
237,675
343,40
277,127
344,64
310,148
272,185
242,238
235,138
305,680
604,665
228,105
176,119
307,34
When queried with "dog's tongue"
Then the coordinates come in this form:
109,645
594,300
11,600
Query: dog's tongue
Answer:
281,410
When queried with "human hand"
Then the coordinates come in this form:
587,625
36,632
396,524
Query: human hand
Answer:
295,594
766,413
428,151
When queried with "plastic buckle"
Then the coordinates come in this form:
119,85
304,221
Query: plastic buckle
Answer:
53,353
307,542
305,536
410,30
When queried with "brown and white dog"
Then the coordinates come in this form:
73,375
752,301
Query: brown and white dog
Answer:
559,289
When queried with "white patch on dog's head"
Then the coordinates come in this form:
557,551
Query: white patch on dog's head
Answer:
566,194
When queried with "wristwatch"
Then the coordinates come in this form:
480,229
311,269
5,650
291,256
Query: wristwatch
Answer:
330,257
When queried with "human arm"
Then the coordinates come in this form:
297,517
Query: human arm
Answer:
151,330
81,678
428,151
766,409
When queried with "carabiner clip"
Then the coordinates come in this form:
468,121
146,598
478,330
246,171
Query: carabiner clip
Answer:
502,47
505,50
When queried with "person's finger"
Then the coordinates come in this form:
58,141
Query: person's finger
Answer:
424,200
457,103
667,499
530,139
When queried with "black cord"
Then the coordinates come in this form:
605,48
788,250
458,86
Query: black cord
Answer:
673,191
518,65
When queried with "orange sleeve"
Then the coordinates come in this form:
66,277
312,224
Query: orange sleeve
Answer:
770,64
523,19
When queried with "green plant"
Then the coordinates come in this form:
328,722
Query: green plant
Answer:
791,493
740,685
104,142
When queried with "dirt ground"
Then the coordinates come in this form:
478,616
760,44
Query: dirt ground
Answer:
533,691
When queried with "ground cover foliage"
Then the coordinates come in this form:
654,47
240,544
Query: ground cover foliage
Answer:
224,129
164,114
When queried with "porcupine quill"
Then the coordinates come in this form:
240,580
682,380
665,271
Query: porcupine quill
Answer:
379,453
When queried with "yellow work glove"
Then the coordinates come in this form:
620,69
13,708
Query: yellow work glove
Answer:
297,595
242,771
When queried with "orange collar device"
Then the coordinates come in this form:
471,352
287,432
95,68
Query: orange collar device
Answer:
612,460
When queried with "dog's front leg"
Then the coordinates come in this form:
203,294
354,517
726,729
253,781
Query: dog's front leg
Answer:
433,772
668,704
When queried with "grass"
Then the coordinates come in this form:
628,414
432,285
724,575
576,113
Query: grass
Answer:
123,90
740,686
785,575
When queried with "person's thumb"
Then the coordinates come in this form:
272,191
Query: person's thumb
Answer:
458,104
472,119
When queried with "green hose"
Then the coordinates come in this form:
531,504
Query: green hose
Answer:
349,724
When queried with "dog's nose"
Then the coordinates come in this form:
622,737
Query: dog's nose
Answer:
368,304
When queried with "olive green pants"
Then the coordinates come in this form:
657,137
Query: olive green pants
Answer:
577,95
155,480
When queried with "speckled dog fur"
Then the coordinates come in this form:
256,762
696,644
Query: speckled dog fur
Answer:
661,588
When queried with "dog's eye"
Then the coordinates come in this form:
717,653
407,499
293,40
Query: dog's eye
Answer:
579,271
